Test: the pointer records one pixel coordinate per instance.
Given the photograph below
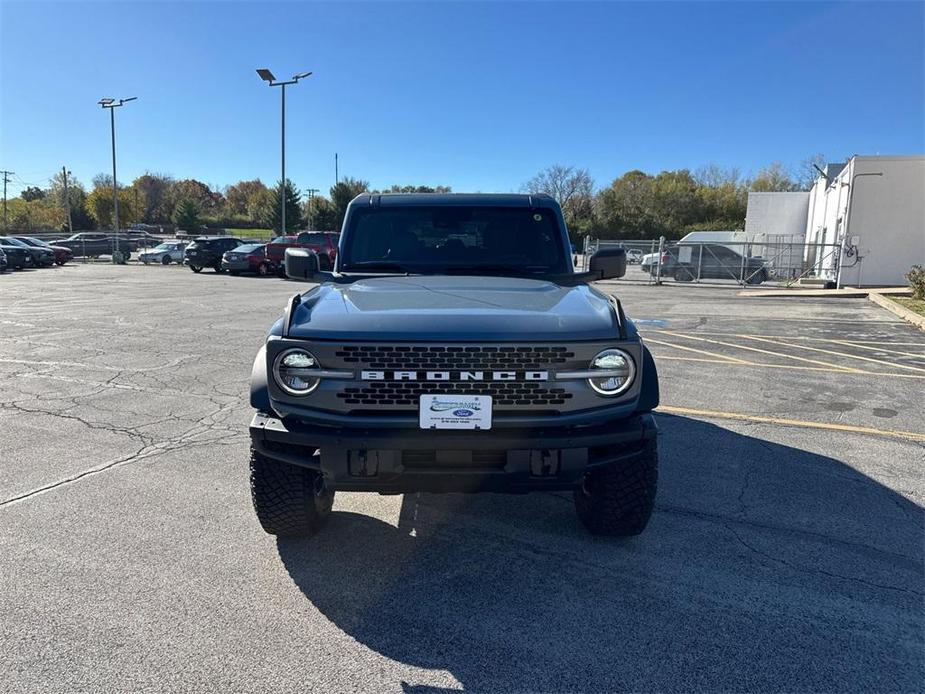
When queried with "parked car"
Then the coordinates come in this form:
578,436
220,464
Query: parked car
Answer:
61,254
141,239
164,253
41,257
3,264
17,256
207,251
633,256
324,243
706,261
250,257
93,244
381,378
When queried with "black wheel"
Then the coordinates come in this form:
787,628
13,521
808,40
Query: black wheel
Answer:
233,273
757,278
288,500
165,260
263,270
195,268
281,271
682,274
218,269
617,499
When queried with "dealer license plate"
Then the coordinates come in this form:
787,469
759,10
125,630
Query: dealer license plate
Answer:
448,411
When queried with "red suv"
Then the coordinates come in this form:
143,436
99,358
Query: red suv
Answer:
324,243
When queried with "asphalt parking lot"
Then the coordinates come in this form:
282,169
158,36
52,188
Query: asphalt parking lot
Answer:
785,554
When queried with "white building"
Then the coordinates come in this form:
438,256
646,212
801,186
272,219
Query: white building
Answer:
775,215
863,223
871,211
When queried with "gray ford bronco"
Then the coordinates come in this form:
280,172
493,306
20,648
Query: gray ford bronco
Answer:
453,348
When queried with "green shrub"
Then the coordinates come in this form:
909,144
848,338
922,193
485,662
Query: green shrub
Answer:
916,277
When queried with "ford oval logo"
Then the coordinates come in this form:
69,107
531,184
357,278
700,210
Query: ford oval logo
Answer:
463,413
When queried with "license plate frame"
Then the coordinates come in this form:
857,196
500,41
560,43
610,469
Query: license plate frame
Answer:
454,411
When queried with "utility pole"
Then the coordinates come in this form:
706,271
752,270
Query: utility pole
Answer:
311,212
268,77
336,175
6,179
67,202
112,105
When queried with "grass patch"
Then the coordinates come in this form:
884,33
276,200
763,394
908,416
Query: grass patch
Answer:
264,234
915,305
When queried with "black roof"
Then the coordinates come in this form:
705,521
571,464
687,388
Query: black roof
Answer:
455,199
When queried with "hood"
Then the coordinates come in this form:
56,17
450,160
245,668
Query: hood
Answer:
441,308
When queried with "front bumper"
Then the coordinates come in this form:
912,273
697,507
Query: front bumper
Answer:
410,460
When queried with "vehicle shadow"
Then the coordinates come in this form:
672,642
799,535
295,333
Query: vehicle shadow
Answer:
765,567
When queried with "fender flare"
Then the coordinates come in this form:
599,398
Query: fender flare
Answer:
260,393
648,398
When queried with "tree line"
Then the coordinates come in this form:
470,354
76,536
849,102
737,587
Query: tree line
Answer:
634,205
671,203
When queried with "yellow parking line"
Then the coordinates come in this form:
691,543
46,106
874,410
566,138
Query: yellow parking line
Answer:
732,360
758,365
848,369
716,414
840,354
861,345
709,361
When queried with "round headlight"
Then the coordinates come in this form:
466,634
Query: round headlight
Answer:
617,372
293,371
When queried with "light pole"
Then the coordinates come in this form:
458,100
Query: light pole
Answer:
311,211
268,77
112,105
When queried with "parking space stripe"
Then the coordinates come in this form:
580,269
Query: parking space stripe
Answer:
732,360
847,369
840,354
717,414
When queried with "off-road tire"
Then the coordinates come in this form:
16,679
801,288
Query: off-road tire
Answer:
195,268
289,500
617,499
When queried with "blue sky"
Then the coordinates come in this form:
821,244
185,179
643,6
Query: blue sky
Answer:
475,96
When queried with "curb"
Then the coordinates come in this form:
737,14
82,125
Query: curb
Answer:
901,311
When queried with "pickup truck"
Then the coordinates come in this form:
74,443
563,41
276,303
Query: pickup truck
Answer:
324,243
453,348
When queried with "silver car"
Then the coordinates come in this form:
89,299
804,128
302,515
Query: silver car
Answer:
166,253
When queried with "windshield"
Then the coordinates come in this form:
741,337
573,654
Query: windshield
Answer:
248,248
454,239
165,247
13,242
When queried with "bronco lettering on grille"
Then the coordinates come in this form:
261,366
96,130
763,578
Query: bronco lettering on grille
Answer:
454,375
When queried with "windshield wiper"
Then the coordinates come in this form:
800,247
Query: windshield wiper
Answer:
379,265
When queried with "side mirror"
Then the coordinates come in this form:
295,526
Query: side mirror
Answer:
301,264
609,262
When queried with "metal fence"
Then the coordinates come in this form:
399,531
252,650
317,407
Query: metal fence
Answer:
767,259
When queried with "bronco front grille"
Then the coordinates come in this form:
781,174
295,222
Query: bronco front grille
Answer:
408,392
416,357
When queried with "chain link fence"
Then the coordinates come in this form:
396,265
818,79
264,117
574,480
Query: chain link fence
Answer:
780,261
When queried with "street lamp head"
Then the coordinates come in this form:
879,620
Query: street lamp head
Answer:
105,101
265,75
301,75
131,98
